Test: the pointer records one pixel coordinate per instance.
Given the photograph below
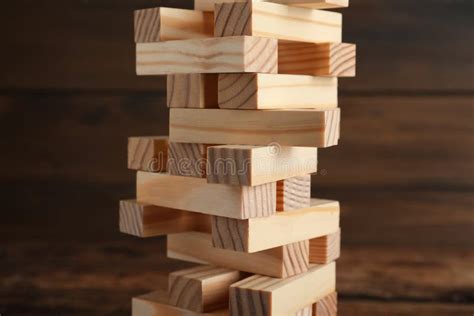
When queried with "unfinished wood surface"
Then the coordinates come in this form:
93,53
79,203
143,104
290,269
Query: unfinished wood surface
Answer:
196,195
260,295
187,160
275,91
145,220
192,91
258,234
166,24
325,249
277,21
306,128
148,153
254,165
324,59
326,306
307,311
202,288
294,193
279,262
209,55
209,5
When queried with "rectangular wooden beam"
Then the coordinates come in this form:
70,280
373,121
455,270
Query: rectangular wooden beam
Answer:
279,262
209,5
209,55
259,234
255,165
187,159
166,24
145,220
305,128
148,153
277,21
192,91
196,195
272,296
275,91
294,193
326,306
325,249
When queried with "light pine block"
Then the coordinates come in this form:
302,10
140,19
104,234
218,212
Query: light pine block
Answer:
275,91
279,21
307,311
192,91
279,262
203,288
144,220
283,228
209,55
187,160
323,59
294,193
196,195
325,249
304,128
276,297
327,306
148,153
209,5
255,165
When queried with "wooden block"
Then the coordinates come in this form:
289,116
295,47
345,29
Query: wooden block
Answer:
203,288
196,195
279,21
294,193
209,55
166,24
327,306
187,160
305,128
261,295
144,220
255,165
274,91
325,249
156,304
148,153
209,5
259,234
307,311
192,91
279,262
325,59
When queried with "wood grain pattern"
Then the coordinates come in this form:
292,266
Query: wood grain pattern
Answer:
203,288
260,295
196,195
187,160
277,21
323,59
325,249
327,306
306,128
209,55
144,220
283,228
148,153
275,91
192,91
294,193
255,165
307,311
209,5
197,247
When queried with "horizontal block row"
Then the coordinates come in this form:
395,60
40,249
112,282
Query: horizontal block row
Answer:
209,5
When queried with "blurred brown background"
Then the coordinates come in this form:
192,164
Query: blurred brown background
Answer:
403,171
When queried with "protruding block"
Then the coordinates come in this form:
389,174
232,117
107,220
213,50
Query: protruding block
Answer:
209,55
277,21
280,229
187,160
305,128
192,91
166,24
325,249
279,262
148,153
196,195
278,297
203,288
274,91
326,306
144,220
209,5
294,193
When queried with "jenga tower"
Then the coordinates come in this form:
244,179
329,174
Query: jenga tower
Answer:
252,92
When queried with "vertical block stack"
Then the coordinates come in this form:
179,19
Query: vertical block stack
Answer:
252,92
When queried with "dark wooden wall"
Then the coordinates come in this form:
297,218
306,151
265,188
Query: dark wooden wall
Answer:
403,171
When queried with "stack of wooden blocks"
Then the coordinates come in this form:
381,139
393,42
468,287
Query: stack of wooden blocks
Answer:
252,92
